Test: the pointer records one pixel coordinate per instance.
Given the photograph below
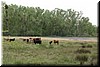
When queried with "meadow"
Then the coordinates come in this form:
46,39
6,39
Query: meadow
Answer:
19,52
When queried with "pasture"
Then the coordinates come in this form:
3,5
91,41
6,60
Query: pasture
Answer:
21,53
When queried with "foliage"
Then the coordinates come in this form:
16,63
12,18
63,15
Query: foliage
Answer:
28,21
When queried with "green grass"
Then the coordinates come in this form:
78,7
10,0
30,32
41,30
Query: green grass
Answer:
19,52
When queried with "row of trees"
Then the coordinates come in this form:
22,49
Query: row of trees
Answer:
26,21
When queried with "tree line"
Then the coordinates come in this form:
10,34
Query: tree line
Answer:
29,21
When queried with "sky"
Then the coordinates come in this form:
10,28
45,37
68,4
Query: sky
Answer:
88,7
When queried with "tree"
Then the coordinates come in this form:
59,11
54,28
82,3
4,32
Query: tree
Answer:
28,21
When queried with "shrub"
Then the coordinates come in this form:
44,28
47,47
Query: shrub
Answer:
89,46
93,59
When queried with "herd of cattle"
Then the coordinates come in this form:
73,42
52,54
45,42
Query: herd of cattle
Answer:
39,41
33,40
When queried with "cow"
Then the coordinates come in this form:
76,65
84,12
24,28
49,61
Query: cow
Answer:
27,40
31,39
50,42
37,40
6,39
56,41
24,39
12,39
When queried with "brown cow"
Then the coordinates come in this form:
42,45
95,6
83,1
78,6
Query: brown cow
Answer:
55,41
6,39
37,40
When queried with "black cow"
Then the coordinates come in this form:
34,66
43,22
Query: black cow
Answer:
24,39
27,40
12,39
50,42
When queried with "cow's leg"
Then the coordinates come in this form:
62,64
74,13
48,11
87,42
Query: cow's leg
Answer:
40,42
57,42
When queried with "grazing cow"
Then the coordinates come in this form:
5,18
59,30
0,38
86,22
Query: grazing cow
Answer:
23,39
31,39
56,41
50,42
37,40
27,40
12,39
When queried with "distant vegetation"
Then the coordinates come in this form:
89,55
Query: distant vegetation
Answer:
27,21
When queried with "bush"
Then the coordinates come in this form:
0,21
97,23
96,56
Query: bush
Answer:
89,46
93,59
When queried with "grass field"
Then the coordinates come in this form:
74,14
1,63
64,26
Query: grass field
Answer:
20,52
